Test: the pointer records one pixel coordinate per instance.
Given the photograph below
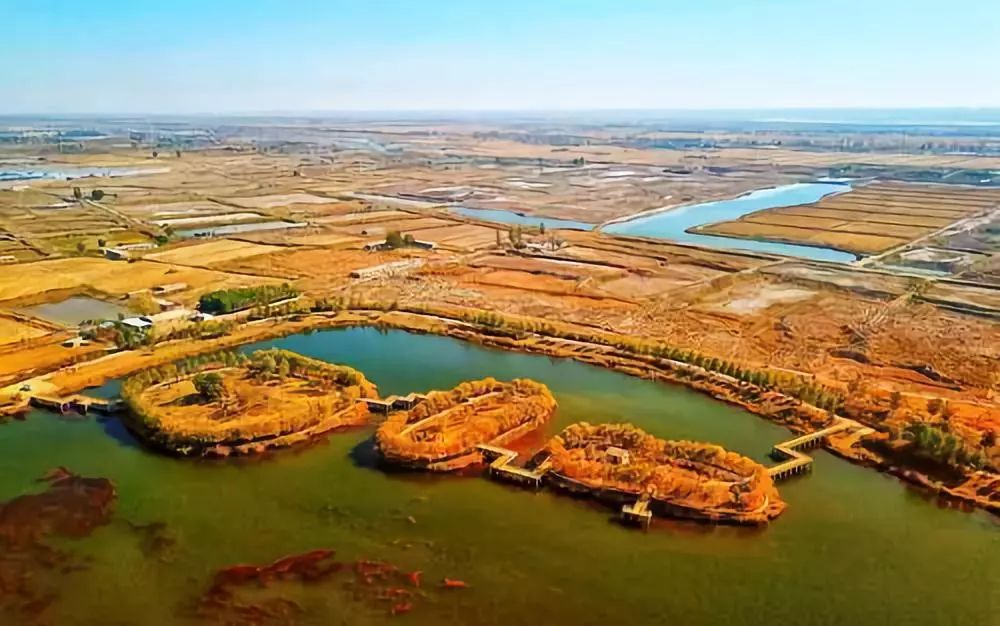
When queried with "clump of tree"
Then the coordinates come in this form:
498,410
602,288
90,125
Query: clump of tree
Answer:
936,444
516,236
229,300
143,303
276,364
209,386
394,240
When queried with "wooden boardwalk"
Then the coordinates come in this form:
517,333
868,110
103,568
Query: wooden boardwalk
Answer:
638,512
80,403
794,461
502,468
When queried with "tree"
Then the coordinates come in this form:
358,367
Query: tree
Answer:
97,194
77,193
81,247
144,304
541,228
394,240
934,405
209,386
499,240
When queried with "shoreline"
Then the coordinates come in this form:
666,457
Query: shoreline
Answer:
772,405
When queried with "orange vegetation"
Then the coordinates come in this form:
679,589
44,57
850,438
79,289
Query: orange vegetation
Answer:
274,398
442,431
684,477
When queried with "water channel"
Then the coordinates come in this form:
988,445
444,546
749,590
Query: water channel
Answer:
854,546
674,224
510,217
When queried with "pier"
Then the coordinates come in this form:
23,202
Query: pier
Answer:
794,461
80,403
638,512
395,403
501,467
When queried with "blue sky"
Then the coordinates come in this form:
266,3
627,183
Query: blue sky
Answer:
215,56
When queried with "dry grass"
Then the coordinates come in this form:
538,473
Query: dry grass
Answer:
111,277
13,330
212,252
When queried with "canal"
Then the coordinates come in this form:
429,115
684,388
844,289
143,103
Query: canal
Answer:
854,546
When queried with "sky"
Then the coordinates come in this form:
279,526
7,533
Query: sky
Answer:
243,56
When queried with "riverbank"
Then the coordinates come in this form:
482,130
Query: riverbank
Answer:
587,345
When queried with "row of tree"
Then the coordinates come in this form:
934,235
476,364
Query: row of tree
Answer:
239,298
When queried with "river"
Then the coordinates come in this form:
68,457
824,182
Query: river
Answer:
674,224
854,546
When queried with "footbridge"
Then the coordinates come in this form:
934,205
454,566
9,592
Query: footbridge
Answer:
78,402
794,461
395,403
502,467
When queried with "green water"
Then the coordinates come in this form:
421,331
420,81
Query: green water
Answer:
854,547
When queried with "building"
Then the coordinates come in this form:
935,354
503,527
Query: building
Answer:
140,323
162,290
617,456
166,305
115,254
378,245
137,246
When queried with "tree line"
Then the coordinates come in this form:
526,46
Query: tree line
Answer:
239,298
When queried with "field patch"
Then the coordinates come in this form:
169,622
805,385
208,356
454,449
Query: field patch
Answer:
212,252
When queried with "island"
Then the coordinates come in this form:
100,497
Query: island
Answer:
622,464
443,431
234,403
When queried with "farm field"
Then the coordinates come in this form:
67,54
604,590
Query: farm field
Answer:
15,330
868,220
211,253
33,280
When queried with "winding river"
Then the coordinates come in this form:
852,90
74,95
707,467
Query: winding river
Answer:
674,224
854,546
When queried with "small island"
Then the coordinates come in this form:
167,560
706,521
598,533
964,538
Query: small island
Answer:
442,432
620,463
233,403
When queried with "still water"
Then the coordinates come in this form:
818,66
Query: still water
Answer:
74,310
854,547
675,223
232,229
510,217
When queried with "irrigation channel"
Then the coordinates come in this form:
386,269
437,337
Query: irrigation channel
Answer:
854,546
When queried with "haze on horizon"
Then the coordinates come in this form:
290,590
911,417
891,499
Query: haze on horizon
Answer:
237,56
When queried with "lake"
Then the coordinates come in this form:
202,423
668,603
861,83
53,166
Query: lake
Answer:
68,172
230,229
74,310
674,224
510,217
854,546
